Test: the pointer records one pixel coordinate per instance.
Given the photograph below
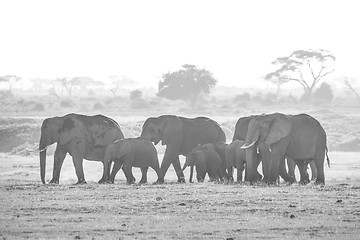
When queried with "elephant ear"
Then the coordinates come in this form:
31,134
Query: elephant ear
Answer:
172,130
280,127
71,129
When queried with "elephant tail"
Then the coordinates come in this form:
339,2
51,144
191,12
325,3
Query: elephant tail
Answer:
327,156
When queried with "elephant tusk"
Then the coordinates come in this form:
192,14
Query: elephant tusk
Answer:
37,150
269,149
248,146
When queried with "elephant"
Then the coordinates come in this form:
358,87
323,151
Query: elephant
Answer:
236,157
299,137
132,152
180,135
241,129
206,161
218,147
83,137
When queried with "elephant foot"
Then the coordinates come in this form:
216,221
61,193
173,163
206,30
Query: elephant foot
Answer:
159,181
103,181
142,182
130,182
181,180
319,182
54,181
81,182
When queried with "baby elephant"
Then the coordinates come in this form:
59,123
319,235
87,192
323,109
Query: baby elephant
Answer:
235,156
206,161
132,152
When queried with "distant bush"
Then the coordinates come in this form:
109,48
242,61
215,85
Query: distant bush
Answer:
98,106
38,107
139,104
66,104
324,92
136,94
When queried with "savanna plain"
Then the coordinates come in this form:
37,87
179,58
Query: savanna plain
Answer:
206,210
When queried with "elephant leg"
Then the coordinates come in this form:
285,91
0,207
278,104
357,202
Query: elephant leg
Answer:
291,167
78,164
257,161
144,171
128,173
239,169
155,166
304,176
106,171
230,173
115,169
282,170
251,170
319,163
313,170
177,167
172,157
59,157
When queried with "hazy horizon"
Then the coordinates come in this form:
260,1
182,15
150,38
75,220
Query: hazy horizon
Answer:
236,41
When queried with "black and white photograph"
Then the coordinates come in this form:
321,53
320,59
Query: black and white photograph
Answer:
179,119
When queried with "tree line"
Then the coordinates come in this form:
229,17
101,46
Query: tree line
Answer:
304,67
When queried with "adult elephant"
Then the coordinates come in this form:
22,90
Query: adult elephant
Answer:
83,137
299,137
180,135
241,129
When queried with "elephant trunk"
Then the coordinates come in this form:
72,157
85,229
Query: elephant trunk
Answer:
251,137
42,155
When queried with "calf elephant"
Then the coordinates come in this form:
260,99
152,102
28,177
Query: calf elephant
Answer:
218,147
180,135
132,152
83,137
236,157
206,161
299,137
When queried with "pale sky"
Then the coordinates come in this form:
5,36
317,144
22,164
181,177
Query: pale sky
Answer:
235,40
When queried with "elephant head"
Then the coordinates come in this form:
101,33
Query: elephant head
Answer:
56,129
192,159
265,130
268,129
162,128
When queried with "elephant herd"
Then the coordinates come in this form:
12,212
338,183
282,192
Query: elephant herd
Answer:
270,139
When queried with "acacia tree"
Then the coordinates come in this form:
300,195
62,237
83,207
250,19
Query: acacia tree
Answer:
187,83
68,84
306,67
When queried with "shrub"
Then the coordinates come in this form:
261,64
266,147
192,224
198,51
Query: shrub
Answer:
38,107
324,92
136,94
98,106
139,104
66,104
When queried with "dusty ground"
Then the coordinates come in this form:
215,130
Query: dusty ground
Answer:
175,211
